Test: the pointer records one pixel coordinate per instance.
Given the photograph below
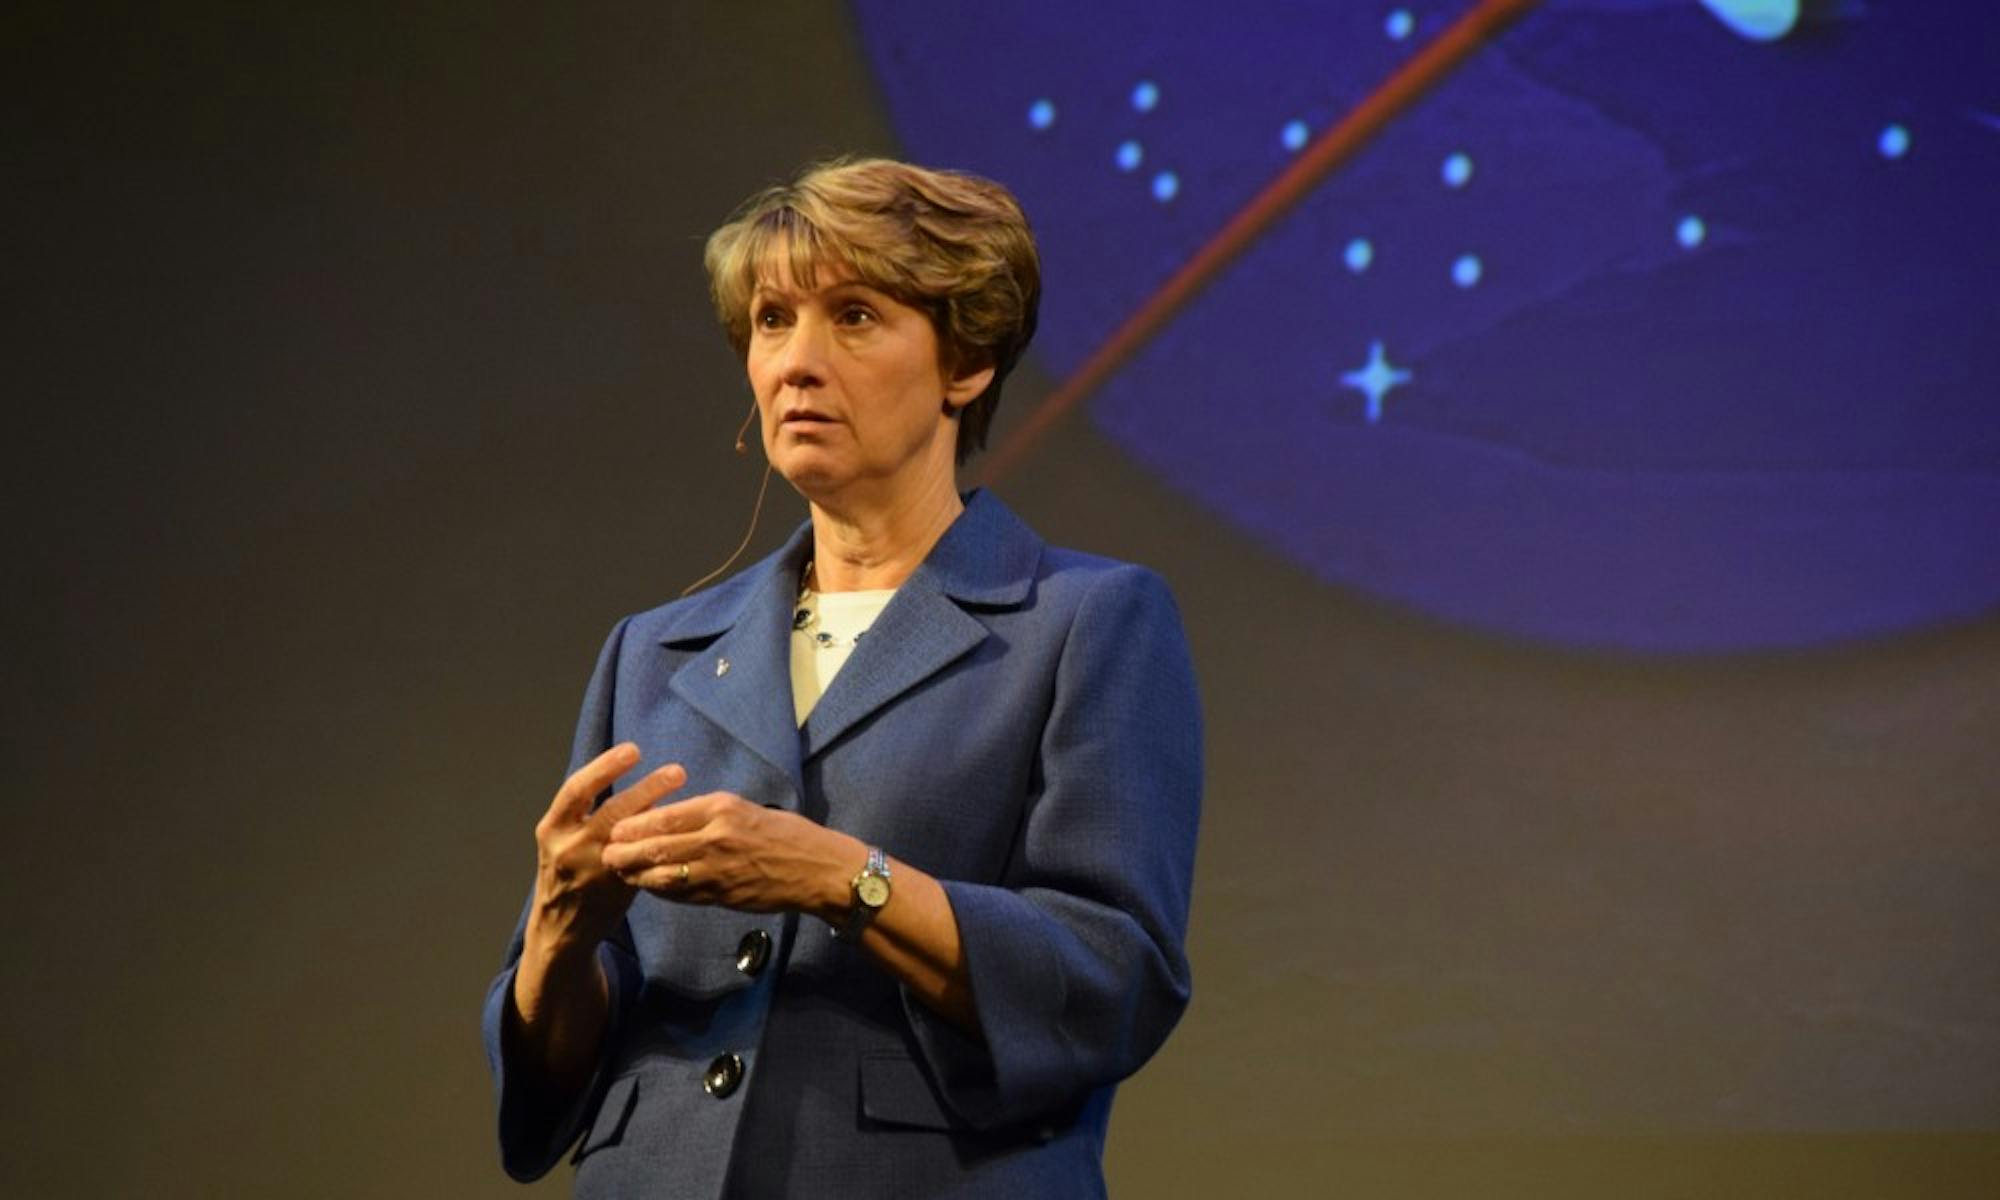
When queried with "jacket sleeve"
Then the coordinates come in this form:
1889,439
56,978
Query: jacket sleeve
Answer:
537,1124
1076,959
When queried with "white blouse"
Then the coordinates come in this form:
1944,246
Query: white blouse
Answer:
824,636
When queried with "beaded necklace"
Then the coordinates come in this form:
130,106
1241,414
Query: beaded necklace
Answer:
805,618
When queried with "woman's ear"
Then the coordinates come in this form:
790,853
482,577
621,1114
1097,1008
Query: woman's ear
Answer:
966,388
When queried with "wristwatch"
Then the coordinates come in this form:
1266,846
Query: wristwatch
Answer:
871,892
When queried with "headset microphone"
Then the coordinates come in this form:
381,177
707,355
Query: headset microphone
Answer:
756,510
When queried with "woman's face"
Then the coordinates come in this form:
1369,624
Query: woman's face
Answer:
849,387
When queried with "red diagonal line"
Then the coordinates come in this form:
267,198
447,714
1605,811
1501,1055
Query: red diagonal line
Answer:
1339,143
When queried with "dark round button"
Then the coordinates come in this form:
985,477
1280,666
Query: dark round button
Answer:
753,952
723,1076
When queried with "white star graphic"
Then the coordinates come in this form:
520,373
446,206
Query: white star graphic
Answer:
1375,378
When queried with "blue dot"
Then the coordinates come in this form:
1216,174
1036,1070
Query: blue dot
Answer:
1166,185
1294,135
1359,254
1457,170
1465,272
1894,142
1399,24
1041,114
1690,232
1130,155
1146,95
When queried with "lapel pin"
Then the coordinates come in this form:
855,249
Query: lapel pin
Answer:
721,667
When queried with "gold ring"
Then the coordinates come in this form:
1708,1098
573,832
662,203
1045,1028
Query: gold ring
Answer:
684,873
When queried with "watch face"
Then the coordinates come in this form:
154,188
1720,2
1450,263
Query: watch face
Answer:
873,890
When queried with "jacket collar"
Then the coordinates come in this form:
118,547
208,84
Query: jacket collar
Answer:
987,558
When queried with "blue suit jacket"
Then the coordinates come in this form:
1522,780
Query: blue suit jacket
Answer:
1021,723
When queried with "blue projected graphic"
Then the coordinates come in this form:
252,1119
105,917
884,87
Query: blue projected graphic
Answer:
1375,379
1759,20
1457,171
1894,142
1659,325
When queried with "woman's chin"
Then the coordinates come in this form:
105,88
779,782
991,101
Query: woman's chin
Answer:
813,476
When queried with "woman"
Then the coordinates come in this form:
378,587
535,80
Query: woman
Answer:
925,905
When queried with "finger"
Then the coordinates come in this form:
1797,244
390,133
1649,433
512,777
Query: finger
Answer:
573,798
682,816
676,881
641,795
633,856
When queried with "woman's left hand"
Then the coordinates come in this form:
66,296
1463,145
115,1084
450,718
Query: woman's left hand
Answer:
724,850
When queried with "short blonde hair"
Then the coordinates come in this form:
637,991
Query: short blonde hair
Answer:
950,243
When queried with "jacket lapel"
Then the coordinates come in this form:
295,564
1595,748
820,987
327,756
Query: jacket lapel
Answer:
742,681
917,635
987,557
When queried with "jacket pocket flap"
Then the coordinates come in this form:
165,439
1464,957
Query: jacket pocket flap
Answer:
896,1091
612,1111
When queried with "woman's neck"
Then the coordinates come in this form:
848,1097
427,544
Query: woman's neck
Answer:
868,548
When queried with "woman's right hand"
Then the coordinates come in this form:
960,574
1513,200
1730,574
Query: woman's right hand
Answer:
578,902
560,993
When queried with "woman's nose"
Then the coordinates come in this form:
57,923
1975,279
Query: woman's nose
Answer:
804,360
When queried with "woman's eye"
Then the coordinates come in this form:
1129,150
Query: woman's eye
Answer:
856,314
766,318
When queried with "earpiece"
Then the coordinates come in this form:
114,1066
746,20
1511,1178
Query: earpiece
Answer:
756,510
